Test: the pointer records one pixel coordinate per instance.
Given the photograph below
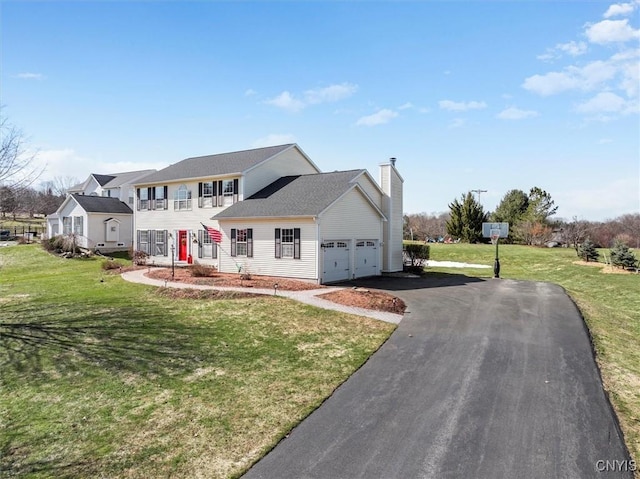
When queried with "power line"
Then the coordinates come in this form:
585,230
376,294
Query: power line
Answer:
478,191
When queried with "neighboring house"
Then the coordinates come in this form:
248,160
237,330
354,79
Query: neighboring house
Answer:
98,212
277,213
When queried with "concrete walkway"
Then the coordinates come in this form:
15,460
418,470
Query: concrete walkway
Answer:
307,297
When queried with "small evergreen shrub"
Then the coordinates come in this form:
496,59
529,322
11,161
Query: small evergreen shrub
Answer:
587,251
417,254
622,256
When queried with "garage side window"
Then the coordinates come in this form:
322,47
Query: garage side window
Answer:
287,243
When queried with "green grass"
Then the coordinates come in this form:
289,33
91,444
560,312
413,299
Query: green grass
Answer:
610,304
109,379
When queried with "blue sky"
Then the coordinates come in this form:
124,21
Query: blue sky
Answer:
491,95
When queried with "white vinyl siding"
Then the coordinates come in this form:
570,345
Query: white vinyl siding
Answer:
353,217
263,261
289,162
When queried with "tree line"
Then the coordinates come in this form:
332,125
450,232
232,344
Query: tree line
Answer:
531,222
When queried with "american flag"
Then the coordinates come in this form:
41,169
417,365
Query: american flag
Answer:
214,234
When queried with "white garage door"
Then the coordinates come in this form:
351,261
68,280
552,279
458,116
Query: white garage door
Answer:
336,261
366,258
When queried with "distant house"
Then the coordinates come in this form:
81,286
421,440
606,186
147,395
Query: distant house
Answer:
277,215
98,212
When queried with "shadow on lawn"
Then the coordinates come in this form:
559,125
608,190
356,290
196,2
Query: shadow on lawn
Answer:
68,337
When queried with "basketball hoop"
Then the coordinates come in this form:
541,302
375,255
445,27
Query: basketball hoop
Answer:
495,235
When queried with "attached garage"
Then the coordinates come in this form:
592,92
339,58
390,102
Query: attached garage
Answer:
367,262
335,261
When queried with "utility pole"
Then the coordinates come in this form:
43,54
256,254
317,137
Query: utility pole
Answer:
478,191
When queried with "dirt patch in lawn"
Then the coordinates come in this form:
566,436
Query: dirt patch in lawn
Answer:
606,268
366,298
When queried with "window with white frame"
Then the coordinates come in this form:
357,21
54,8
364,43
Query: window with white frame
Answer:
159,193
132,194
207,194
227,192
242,242
143,241
287,243
66,225
78,228
207,248
143,199
182,198
160,248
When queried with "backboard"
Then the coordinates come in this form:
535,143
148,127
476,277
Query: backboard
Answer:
490,229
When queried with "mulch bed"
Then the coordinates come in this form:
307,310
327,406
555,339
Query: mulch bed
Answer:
368,299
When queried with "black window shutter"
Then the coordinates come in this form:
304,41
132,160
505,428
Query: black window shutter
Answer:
149,250
220,193
215,194
214,250
138,208
152,199
233,242
165,240
296,243
152,242
149,202
200,198
278,245
138,235
235,190
166,199
200,239
249,242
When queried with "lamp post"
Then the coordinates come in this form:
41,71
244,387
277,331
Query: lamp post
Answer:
173,250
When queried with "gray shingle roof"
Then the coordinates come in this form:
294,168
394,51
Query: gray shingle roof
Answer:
304,195
120,179
102,204
213,165
103,179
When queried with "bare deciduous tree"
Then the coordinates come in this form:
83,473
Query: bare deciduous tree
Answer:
17,166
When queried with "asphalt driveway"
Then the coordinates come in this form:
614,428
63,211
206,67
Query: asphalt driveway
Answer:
482,379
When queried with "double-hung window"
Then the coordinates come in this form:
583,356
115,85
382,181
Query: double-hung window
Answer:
160,242
66,225
182,198
207,194
206,247
227,192
287,243
160,195
143,199
143,241
242,242
78,228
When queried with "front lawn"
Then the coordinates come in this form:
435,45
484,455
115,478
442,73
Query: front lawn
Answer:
109,379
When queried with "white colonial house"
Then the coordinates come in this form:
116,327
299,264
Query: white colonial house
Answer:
98,212
278,215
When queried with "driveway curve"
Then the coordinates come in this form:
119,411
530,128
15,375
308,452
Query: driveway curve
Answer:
482,379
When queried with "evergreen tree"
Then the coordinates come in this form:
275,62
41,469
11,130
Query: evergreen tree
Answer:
587,251
466,219
622,256
511,209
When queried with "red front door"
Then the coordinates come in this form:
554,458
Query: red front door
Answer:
182,245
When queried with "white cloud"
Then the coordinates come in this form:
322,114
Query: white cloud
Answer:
461,106
604,102
607,200
513,113
457,123
620,9
287,102
30,76
406,106
379,118
571,48
585,78
330,94
250,92
610,31
274,139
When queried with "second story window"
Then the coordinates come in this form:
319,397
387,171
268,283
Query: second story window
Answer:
143,199
160,195
207,194
227,192
182,198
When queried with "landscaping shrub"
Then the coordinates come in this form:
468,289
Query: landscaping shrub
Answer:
60,244
139,257
622,256
110,264
417,254
587,251
198,270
